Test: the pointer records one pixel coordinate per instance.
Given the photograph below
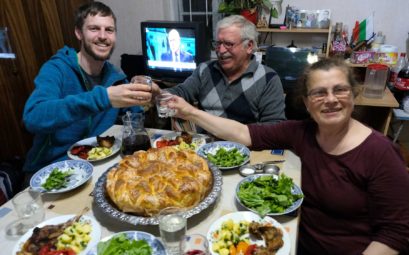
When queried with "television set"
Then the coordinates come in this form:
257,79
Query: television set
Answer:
158,49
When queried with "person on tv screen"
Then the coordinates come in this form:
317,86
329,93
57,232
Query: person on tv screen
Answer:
175,53
79,94
354,179
235,85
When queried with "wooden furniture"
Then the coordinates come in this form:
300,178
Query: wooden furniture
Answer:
74,201
37,29
375,112
306,33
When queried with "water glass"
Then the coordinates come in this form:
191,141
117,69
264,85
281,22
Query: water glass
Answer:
194,244
29,208
161,105
172,228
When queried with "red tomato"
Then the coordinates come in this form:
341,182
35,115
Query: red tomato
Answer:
251,249
161,143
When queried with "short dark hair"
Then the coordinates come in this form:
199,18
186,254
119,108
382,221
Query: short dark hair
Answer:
93,9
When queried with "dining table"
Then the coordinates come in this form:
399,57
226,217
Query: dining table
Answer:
74,201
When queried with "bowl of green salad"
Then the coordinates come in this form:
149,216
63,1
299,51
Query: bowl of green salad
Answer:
224,154
269,194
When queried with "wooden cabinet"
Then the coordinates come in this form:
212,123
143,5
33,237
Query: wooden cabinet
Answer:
37,29
308,36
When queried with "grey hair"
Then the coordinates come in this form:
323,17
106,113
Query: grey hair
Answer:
248,30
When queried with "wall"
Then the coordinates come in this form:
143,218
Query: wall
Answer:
390,17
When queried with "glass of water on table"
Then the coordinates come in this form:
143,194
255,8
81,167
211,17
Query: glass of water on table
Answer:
172,228
28,205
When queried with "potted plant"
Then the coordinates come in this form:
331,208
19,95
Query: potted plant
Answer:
247,8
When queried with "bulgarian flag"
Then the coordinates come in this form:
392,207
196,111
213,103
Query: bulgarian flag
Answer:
364,30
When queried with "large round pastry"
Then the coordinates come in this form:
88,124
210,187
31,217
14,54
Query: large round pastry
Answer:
148,181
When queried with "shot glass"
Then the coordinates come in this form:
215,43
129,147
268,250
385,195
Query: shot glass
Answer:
162,101
172,228
142,79
194,244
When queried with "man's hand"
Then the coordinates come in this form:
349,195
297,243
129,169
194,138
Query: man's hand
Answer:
127,95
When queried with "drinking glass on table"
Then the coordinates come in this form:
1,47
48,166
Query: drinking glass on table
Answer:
161,105
172,228
28,205
194,244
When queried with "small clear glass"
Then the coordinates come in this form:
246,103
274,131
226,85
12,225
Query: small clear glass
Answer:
161,105
29,207
172,228
194,244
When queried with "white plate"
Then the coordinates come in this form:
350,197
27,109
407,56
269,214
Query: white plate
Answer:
95,233
158,248
213,147
249,216
92,141
199,139
82,173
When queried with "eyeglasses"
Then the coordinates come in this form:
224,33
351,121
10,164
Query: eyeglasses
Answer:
339,91
227,45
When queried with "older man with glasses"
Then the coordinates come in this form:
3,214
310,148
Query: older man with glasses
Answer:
235,86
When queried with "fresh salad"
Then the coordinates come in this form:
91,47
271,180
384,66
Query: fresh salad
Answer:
121,244
57,179
268,194
226,158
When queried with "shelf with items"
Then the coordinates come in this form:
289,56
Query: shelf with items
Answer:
298,31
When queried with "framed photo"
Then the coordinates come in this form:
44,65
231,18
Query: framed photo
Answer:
324,18
275,17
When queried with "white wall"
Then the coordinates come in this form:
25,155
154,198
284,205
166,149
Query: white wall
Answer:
390,17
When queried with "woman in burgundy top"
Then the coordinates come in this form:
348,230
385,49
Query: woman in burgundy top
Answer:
354,179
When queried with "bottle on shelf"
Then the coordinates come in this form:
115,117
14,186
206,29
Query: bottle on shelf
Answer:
401,89
396,69
338,46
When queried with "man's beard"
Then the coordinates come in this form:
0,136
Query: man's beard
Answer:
90,52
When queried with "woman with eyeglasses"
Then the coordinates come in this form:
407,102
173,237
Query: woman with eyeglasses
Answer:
354,179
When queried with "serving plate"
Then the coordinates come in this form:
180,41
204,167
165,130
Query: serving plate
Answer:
198,139
82,173
92,141
249,216
109,208
213,147
295,190
158,248
95,233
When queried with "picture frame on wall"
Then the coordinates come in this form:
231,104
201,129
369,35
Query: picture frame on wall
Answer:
276,22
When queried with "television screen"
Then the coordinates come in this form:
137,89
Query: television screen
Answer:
172,49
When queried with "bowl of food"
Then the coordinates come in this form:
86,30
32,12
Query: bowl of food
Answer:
269,194
225,155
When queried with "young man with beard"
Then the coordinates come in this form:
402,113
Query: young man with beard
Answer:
235,86
79,94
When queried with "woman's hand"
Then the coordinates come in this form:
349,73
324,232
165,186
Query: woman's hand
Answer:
184,110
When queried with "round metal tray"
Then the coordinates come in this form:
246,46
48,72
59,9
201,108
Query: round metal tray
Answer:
101,200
